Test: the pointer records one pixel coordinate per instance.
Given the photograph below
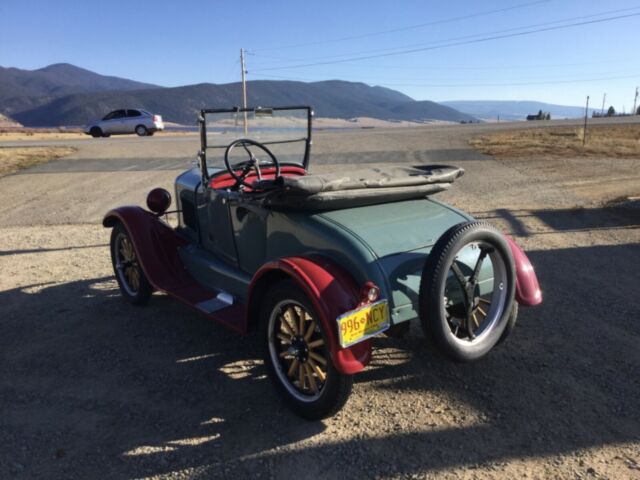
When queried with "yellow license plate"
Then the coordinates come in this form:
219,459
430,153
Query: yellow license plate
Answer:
363,322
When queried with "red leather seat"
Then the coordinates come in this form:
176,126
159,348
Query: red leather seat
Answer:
225,180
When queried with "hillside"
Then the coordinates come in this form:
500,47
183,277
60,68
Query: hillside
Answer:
513,110
8,122
21,90
334,98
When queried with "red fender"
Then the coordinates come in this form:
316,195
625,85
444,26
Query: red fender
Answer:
528,291
156,245
332,292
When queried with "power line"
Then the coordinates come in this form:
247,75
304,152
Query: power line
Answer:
466,85
464,37
490,68
453,44
402,29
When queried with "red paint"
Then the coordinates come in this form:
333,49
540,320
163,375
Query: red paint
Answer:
332,292
158,200
156,245
225,180
528,291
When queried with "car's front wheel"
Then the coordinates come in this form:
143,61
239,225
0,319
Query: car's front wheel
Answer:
141,130
297,356
131,279
96,132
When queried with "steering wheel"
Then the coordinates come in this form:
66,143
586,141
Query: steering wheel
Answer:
252,164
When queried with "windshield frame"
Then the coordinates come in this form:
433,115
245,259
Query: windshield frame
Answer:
202,154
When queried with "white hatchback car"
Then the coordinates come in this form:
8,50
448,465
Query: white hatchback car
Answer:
125,121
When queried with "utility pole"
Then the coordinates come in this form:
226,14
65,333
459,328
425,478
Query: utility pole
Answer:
604,97
635,103
586,116
244,90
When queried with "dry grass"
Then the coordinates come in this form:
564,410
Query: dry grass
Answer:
616,141
13,159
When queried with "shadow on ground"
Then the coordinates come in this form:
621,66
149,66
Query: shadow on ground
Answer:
93,387
568,220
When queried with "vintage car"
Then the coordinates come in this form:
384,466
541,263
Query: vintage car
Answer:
318,264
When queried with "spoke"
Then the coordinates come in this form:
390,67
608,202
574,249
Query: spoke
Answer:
293,367
476,270
316,368
135,277
459,275
301,320
475,320
285,324
283,338
315,343
455,332
307,336
318,358
479,308
284,354
292,318
301,376
312,381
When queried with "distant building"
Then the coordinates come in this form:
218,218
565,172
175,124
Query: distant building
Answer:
540,116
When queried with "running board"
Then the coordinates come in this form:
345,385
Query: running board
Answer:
220,301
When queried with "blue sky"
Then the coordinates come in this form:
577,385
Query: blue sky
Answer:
176,43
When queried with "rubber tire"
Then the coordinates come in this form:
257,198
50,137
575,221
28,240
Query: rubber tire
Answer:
96,132
338,386
434,274
141,130
144,292
511,323
150,133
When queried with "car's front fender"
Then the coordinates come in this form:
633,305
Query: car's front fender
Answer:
331,291
156,245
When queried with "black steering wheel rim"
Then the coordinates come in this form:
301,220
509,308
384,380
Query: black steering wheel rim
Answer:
252,164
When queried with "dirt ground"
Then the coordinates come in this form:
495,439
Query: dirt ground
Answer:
91,387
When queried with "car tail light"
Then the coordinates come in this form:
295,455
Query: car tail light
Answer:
369,292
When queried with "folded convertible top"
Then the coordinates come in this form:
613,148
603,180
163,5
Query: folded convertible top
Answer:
360,187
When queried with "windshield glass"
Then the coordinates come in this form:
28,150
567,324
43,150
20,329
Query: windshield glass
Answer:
284,131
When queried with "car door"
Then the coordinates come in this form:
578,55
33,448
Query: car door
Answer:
217,235
113,123
134,118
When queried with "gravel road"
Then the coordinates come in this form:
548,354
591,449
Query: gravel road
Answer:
91,387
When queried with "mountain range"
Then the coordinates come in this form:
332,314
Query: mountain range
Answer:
509,110
63,94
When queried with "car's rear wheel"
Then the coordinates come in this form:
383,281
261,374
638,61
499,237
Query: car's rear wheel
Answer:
131,279
467,291
141,130
297,355
96,132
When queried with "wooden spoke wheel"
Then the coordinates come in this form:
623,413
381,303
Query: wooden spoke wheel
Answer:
133,284
297,355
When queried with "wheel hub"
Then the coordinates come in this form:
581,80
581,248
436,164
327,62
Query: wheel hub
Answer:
299,348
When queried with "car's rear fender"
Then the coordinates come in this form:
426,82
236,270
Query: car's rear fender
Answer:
332,292
528,291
